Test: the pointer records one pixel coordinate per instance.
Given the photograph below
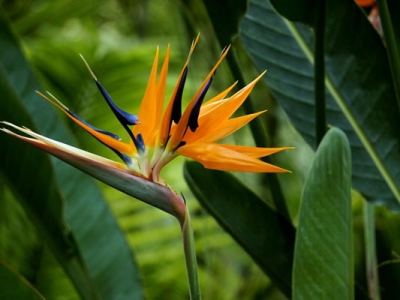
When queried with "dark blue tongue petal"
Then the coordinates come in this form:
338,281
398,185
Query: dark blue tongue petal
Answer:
124,117
93,127
177,105
140,141
125,158
194,114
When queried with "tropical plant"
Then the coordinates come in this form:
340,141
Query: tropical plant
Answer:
327,230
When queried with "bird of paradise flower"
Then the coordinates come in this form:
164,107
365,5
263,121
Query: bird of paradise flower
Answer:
165,135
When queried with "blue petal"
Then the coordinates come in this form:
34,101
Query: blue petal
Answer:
177,104
140,142
93,127
194,114
124,117
125,158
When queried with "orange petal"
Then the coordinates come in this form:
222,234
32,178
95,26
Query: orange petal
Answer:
255,152
213,156
161,86
212,132
166,119
149,107
106,139
227,107
182,125
216,100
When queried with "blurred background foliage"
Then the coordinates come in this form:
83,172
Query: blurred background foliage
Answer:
119,39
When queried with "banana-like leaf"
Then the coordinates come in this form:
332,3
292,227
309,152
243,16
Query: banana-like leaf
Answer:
31,178
388,12
104,249
323,264
263,233
360,94
225,18
14,286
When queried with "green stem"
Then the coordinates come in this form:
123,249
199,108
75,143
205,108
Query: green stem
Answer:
190,257
319,72
370,251
392,42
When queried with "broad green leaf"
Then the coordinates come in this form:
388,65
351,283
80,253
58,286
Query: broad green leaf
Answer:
14,286
264,234
103,246
38,191
323,265
225,17
388,17
299,11
360,95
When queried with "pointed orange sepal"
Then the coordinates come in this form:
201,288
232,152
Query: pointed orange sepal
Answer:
225,108
255,152
180,130
212,132
166,119
215,101
149,107
106,139
216,157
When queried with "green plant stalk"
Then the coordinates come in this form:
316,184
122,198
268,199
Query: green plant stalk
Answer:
392,45
190,257
370,251
319,72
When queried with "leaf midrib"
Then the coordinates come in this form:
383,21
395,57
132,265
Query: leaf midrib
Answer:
347,113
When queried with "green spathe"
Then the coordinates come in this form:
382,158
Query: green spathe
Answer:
323,263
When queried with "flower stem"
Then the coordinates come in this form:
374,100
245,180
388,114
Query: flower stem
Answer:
319,72
370,251
190,257
391,34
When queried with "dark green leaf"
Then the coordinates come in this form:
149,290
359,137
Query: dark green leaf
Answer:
14,286
264,234
323,265
388,17
299,11
225,17
103,246
30,176
360,95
